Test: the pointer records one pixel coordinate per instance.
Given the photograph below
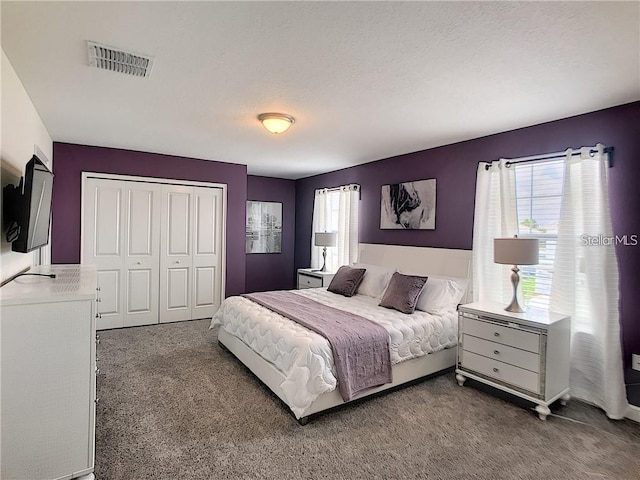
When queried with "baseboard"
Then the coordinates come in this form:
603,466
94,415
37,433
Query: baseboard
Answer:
633,413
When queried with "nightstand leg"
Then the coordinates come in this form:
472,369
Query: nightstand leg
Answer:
564,399
543,411
461,379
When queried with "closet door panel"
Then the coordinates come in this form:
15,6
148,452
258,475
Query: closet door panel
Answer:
142,254
103,221
108,205
178,285
178,223
139,293
206,251
140,222
206,205
103,244
176,253
204,286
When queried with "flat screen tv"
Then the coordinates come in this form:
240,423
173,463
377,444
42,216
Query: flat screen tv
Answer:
31,209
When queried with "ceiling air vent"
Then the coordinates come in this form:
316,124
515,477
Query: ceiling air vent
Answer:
116,60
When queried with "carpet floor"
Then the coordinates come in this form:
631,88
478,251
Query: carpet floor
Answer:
175,405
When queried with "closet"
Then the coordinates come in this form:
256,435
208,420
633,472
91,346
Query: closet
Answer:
158,246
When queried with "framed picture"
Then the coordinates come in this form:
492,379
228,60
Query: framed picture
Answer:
409,205
264,227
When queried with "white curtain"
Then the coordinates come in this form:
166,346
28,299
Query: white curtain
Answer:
336,210
495,216
585,276
585,283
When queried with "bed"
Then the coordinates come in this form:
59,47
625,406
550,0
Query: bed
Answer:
297,364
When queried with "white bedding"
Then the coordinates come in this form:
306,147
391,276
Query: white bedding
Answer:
305,358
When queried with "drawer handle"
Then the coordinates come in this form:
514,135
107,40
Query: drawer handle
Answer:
496,334
495,370
496,352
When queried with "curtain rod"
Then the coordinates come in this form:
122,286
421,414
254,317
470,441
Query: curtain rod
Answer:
336,189
539,158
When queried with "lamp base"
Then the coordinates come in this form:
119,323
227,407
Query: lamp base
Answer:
324,259
514,306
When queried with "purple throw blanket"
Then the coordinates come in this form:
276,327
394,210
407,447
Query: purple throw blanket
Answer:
360,347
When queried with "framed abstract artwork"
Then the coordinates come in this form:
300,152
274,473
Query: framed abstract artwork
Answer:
264,227
409,205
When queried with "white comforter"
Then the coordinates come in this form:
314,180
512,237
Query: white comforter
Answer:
304,357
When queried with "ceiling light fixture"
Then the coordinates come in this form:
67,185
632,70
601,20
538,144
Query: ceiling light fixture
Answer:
276,122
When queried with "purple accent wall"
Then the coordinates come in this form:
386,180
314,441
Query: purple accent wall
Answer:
71,160
273,271
454,166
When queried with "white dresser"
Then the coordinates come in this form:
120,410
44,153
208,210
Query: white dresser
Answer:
48,374
524,354
309,278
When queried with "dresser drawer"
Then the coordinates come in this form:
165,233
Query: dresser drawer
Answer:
503,353
505,335
501,372
306,281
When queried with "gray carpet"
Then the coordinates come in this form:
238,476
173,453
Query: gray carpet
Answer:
175,405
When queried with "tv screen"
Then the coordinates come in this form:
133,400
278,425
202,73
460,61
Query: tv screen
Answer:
34,213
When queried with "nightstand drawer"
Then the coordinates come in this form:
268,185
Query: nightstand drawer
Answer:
507,336
502,353
502,372
305,281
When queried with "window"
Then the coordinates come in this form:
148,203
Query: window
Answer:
538,198
336,210
332,212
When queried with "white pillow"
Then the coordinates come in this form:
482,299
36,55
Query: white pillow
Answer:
375,280
441,295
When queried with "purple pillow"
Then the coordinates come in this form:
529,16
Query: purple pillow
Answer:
346,280
403,292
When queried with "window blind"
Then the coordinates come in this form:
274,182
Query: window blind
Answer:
538,199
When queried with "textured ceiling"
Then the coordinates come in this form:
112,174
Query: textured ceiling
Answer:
364,80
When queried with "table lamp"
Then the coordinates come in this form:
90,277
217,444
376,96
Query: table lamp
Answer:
324,240
515,251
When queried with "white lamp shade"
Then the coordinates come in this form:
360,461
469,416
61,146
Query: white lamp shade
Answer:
515,251
326,239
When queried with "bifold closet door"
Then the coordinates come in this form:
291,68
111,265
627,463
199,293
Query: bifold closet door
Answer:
142,253
121,237
176,252
190,259
207,251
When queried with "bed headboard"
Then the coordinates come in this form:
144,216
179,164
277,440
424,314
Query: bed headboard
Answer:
443,262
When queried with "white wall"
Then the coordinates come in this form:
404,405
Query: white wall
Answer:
21,128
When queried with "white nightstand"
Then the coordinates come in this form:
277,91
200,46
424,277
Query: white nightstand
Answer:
524,354
308,278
